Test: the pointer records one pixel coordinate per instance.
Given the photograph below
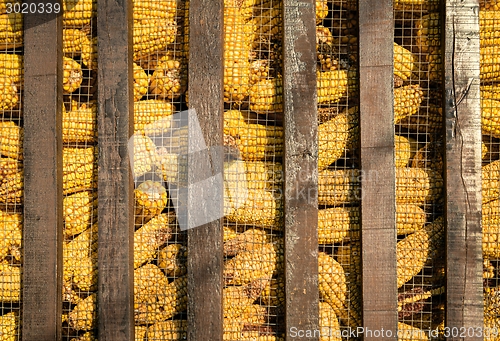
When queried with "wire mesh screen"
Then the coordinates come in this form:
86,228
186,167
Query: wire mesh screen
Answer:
79,288
253,293
489,28
11,165
339,258
419,151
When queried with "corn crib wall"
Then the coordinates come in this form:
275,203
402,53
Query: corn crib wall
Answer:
358,142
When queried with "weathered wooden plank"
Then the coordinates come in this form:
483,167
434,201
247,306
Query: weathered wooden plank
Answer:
115,185
464,298
300,167
205,258
43,220
378,217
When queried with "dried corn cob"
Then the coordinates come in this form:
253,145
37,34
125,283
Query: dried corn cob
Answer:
169,79
491,231
332,85
10,232
12,188
332,281
491,181
78,169
141,82
426,120
150,200
334,137
73,41
248,266
77,13
9,166
72,75
69,294
144,155
84,315
259,70
328,323
267,96
79,209
9,327
11,30
429,157
273,293
428,32
256,207
404,62
334,224
321,10
490,117
489,67
80,124
171,330
492,301
11,66
9,93
150,237
172,260
268,22
402,151
89,53
11,140
152,116
10,283
412,253
407,101
241,175
250,240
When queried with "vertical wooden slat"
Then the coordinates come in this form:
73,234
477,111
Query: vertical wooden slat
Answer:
464,282
205,257
42,113
378,217
301,168
115,185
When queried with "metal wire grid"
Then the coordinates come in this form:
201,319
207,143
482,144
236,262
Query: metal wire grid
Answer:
419,161
11,165
253,293
489,67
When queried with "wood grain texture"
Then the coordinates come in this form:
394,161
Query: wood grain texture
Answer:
115,185
300,167
43,219
464,288
205,257
378,217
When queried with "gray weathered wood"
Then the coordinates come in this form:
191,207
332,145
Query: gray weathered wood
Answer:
43,223
464,298
378,217
115,185
301,167
205,259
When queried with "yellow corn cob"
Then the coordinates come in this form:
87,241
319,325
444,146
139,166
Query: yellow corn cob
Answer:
489,6
489,66
171,330
80,124
16,241
11,65
11,140
331,85
172,260
144,155
78,169
229,233
10,232
404,62
77,13
88,336
259,70
84,315
267,96
434,64
150,237
140,332
248,266
407,101
491,181
491,231
9,93
250,240
273,293
12,188
427,120
429,156
72,75
150,199
321,10
82,272
411,254
491,301
73,41
402,151
328,323
9,327
11,30
416,5
488,269
332,281
79,209
169,79
152,116
69,294
154,26
10,283
89,53
268,21
409,333
9,166
240,175
141,82
428,32
490,117
491,326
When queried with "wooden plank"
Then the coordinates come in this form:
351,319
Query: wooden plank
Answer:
464,282
205,258
115,185
43,223
301,168
378,217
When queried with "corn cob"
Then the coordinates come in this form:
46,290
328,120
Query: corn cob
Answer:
489,5
491,301
9,166
248,266
488,269
321,10
141,82
490,220
84,315
10,283
78,13
426,120
150,237
89,53
335,136
73,41
9,93
10,232
229,233
257,207
404,62
11,140
171,330
491,326
267,24
69,294
332,281
154,26
169,79
16,240
152,116
172,260
11,30
250,240
267,96
80,124
9,330
140,332
491,181
144,155
402,151
429,157
150,200
490,117
242,175
428,32
11,66
489,67
273,293
12,188
409,333
334,224
259,70
79,209
328,323
331,85
78,169
407,101
88,336
412,253
72,75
